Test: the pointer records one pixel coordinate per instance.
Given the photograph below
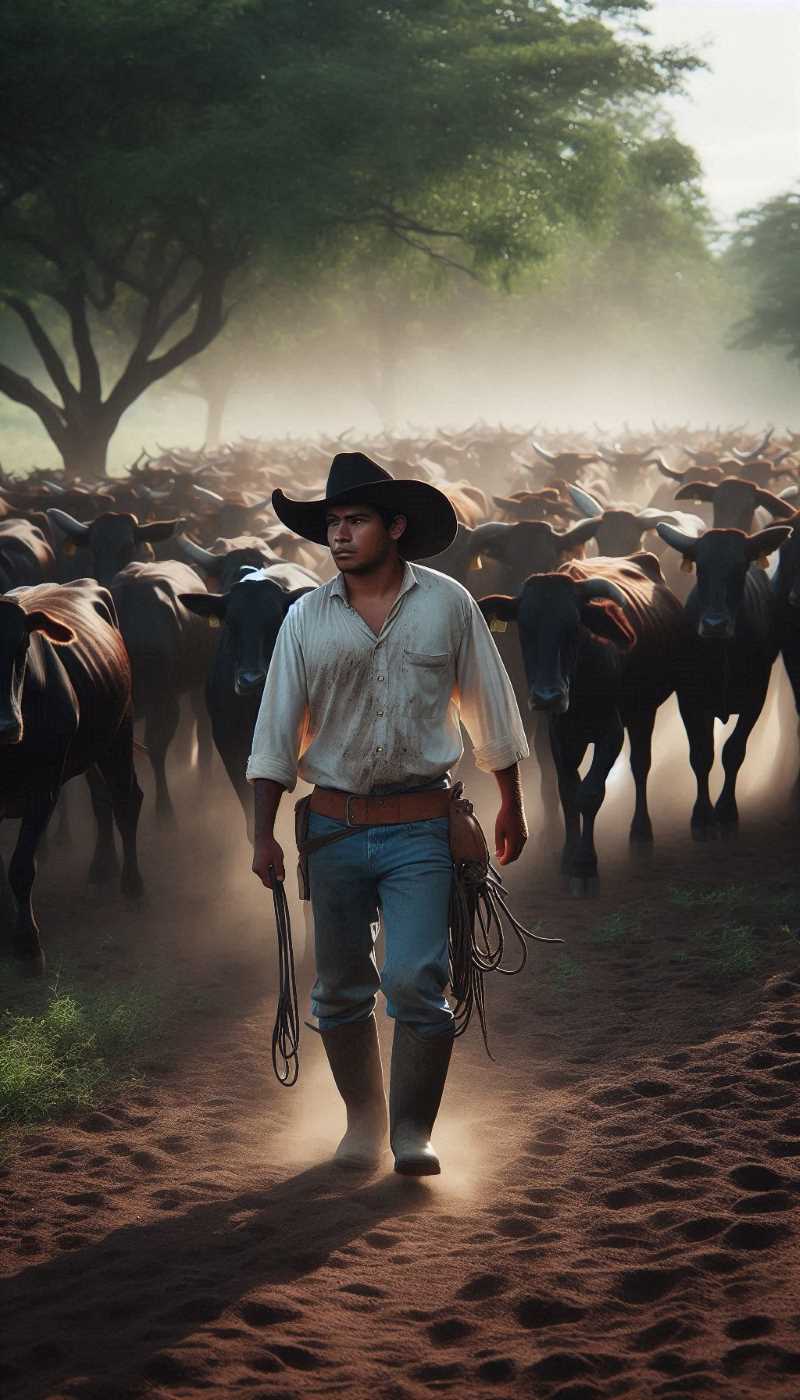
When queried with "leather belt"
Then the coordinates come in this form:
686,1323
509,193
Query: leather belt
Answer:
356,810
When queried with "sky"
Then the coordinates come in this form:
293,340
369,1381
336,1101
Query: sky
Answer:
743,116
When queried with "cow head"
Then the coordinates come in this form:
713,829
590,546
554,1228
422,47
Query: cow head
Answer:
722,558
530,546
734,501
554,613
113,538
222,566
16,629
251,614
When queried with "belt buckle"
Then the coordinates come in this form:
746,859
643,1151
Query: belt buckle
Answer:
351,797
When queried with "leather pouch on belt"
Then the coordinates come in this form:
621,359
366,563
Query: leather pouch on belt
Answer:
302,812
467,841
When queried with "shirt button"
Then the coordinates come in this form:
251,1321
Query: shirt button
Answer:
380,678
380,712
379,749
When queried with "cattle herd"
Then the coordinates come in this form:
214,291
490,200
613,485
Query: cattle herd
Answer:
611,576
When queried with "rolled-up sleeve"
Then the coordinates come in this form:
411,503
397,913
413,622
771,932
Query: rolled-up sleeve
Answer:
488,706
282,716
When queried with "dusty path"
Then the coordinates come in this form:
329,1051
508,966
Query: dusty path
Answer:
616,1215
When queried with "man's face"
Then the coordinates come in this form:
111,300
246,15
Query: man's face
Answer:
358,539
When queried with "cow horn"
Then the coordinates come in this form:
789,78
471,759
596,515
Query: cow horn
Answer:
789,493
209,495
672,472
548,456
585,502
75,528
678,539
590,588
196,554
55,487
690,452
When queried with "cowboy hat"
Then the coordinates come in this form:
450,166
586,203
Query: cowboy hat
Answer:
353,476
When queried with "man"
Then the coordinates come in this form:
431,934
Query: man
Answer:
369,678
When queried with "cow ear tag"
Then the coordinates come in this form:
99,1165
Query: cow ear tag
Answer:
762,562
69,549
477,563
213,621
687,565
498,625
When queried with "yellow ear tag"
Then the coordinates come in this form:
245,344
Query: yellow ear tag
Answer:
214,621
762,562
687,565
69,549
477,563
498,625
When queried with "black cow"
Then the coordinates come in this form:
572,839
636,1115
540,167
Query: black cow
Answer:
25,555
251,614
112,541
786,587
512,552
65,709
732,643
170,653
599,641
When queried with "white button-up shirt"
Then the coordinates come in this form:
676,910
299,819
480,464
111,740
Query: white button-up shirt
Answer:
344,708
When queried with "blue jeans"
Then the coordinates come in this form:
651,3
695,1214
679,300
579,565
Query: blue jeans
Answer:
401,873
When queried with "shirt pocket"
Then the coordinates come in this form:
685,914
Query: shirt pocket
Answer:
429,679
436,659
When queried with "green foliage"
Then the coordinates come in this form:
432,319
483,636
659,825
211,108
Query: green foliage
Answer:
162,147
68,1055
766,253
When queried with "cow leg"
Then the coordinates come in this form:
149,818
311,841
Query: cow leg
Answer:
161,722
568,750
591,794
21,875
640,733
733,756
104,864
699,726
119,772
548,781
205,745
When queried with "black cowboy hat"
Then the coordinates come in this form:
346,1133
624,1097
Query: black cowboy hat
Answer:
353,476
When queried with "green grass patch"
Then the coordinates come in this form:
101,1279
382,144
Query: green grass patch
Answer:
617,928
567,973
708,897
74,1051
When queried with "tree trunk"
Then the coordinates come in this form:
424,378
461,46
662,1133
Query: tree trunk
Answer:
86,452
215,397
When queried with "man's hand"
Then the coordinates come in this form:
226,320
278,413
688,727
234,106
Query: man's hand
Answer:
510,832
268,853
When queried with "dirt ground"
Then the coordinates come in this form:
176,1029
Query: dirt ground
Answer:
615,1215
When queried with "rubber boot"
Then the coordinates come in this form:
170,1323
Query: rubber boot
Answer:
354,1056
419,1070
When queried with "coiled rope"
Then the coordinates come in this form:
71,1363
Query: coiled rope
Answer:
478,942
286,1032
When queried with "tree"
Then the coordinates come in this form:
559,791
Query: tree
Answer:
766,251
199,138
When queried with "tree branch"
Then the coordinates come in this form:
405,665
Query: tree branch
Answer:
22,391
90,382
48,354
140,371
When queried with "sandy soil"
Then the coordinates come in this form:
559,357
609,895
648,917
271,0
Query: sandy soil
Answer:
616,1213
